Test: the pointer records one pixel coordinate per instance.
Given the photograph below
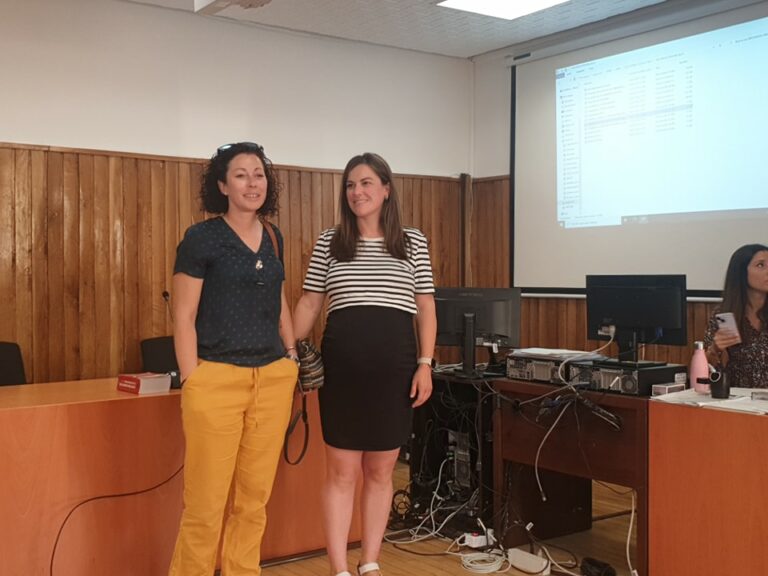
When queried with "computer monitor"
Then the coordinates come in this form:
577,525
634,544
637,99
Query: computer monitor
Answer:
471,317
643,309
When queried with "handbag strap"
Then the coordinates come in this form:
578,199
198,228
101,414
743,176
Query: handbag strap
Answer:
271,233
300,415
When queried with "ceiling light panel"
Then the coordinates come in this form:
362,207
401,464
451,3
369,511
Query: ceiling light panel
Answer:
501,8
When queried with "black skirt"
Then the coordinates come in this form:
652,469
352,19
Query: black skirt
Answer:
369,354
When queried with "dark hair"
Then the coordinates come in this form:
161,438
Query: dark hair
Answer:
736,285
344,241
214,202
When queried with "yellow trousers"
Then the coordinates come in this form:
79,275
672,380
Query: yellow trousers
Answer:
234,425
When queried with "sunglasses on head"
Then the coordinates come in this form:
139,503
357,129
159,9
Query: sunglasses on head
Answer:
246,145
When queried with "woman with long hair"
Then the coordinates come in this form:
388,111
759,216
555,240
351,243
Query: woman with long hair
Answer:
378,277
743,353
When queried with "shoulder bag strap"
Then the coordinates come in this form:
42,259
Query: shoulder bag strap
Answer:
271,232
300,414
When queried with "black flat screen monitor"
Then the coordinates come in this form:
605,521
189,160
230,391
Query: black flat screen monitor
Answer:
643,309
471,317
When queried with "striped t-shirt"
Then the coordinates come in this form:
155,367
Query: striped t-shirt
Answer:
373,277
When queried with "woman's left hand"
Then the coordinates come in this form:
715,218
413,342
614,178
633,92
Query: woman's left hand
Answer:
421,386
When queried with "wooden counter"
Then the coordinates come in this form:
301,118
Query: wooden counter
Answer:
708,486
66,447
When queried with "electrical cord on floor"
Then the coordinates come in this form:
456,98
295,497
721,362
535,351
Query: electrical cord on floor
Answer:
104,497
632,571
484,562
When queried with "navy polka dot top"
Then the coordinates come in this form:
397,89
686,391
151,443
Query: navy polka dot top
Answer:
238,316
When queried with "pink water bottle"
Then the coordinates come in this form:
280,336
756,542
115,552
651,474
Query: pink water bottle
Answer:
699,368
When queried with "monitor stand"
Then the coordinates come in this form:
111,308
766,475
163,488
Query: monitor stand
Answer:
628,350
468,367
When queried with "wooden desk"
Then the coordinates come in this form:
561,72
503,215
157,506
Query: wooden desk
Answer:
587,448
708,488
64,443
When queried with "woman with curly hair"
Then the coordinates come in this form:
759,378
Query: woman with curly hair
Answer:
235,348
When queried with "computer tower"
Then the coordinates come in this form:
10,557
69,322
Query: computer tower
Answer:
451,452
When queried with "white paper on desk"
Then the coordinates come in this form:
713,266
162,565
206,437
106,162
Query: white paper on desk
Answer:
555,354
740,400
741,404
689,396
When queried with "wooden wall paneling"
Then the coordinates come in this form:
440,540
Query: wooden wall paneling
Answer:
422,209
101,252
414,203
7,243
322,195
501,235
426,206
328,200
525,321
410,202
306,191
186,199
171,237
70,330
463,231
55,257
474,216
283,218
479,217
405,190
337,178
86,302
116,276
294,228
22,273
188,192
573,340
445,240
144,244
196,176
330,216
156,304
40,334
561,323
130,328
433,200
451,230
489,233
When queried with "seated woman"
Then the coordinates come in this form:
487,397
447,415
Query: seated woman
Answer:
743,354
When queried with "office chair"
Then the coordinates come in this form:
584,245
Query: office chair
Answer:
11,364
158,355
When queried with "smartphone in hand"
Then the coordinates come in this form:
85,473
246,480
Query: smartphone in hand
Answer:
726,321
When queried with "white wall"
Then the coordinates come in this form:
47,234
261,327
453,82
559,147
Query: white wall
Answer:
491,115
113,75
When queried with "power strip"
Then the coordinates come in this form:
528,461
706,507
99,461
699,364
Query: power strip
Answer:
528,562
476,540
